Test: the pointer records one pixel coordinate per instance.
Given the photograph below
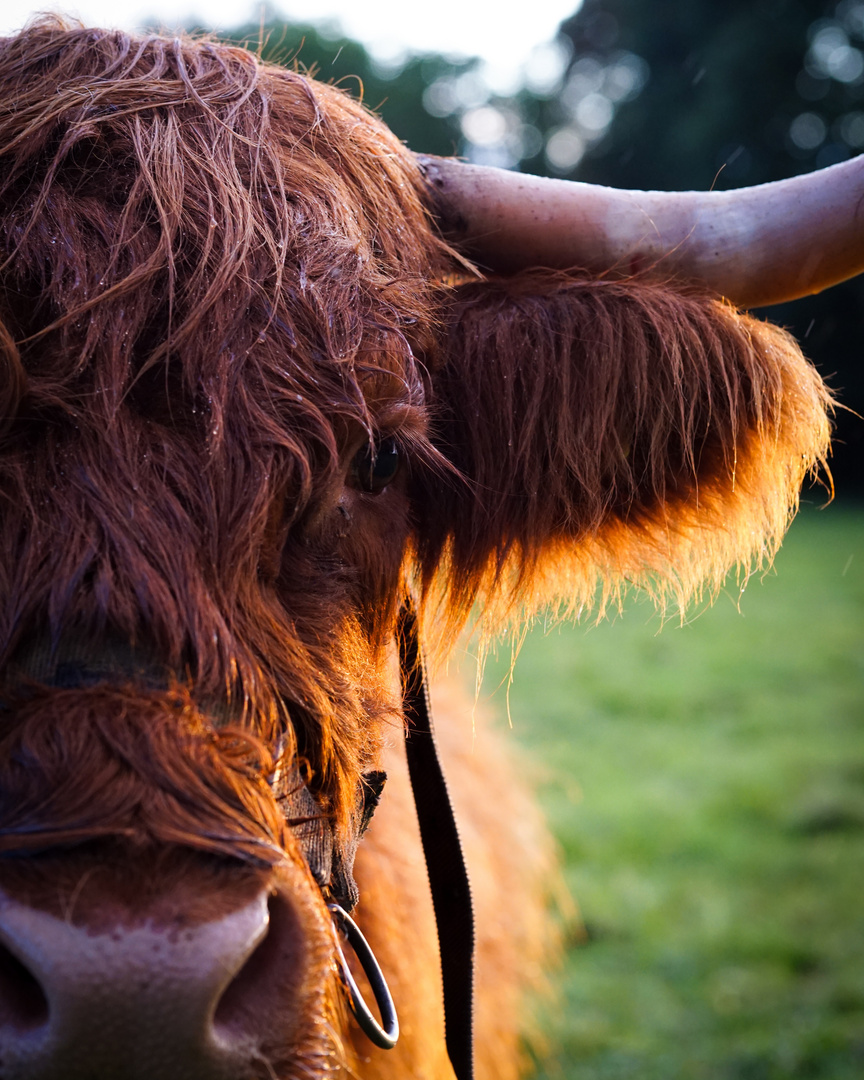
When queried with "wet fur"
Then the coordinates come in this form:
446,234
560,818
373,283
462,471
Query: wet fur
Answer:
219,282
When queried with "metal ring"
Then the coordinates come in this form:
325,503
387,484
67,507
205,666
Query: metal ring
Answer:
386,1033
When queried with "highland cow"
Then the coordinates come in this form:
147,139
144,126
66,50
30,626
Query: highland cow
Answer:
253,399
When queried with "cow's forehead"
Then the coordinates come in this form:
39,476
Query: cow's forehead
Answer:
186,204
225,148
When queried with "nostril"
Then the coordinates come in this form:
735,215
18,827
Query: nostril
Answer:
23,1005
275,965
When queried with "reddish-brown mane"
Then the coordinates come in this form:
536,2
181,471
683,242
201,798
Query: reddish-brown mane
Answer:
208,269
162,775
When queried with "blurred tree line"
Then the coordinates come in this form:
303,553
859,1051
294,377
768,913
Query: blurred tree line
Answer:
667,94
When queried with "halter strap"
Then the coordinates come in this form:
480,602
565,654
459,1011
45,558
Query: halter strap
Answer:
445,863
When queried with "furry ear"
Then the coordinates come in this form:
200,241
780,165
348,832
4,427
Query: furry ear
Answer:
610,433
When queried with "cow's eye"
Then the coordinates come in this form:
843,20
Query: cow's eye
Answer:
374,468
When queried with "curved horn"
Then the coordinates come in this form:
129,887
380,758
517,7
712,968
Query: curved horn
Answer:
757,245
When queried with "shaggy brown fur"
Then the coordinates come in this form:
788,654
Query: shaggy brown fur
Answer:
218,287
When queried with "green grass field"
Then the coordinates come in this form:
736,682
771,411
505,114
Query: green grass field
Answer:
706,785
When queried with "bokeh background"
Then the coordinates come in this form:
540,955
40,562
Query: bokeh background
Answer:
706,783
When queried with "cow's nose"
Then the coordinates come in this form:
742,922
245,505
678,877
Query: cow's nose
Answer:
137,1002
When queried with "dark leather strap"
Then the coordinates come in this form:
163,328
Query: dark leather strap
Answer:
448,878
331,862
